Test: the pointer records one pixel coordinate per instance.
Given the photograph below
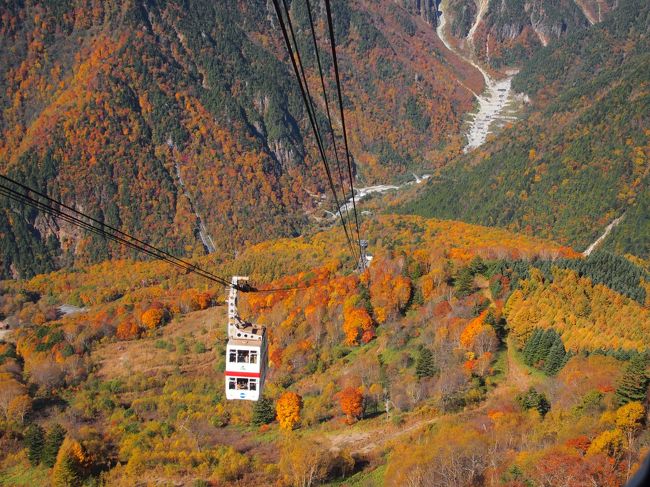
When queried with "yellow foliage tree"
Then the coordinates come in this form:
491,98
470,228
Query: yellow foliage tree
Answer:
232,465
630,417
610,442
69,467
303,462
19,407
288,410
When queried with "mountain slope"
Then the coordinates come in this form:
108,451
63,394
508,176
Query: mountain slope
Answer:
161,117
420,338
580,158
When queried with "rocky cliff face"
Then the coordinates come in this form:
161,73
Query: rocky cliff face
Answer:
510,31
426,9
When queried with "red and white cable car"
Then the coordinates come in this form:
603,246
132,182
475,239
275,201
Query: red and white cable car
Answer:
246,352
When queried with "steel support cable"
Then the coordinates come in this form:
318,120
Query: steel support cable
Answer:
61,215
159,253
98,231
340,97
74,220
319,138
327,108
308,106
152,251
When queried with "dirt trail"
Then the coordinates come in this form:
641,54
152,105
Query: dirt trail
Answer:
600,239
482,10
364,442
517,375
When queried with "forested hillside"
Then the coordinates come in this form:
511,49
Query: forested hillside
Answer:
482,347
580,158
406,373
149,115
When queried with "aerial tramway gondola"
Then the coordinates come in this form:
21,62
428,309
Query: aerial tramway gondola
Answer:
246,352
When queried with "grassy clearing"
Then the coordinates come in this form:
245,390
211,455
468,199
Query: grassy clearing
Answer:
24,475
362,479
534,373
500,368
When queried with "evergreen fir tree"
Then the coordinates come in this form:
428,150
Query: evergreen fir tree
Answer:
534,400
263,412
532,344
477,266
34,442
542,405
464,282
554,361
425,365
544,347
499,325
633,386
53,442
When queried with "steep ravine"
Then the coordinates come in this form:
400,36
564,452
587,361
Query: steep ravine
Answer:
203,234
497,104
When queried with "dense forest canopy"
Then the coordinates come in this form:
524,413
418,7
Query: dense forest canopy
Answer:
480,346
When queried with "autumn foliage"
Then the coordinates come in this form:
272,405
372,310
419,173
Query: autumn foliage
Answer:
586,316
152,318
351,402
127,330
288,408
357,324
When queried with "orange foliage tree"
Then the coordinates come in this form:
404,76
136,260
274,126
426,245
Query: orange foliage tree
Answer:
351,402
479,336
127,330
153,318
288,410
357,322
390,291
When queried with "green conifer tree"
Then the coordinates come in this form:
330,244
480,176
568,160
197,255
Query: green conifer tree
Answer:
34,441
499,325
554,361
544,347
464,282
425,365
532,344
263,412
477,266
53,442
633,386
532,399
